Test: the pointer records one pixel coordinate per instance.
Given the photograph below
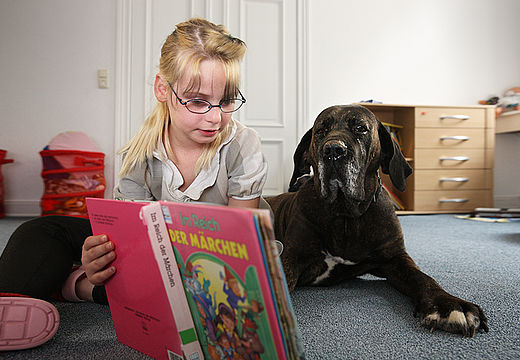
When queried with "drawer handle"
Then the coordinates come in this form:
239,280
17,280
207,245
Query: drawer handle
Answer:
454,158
459,138
456,179
454,117
453,200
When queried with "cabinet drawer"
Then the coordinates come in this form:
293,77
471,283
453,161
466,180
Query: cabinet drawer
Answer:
453,179
452,200
449,159
450,117
450,138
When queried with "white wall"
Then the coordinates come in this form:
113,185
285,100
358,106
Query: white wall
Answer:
445,52
431,52
50,53
437,52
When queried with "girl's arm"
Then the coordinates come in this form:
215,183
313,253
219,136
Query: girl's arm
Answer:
247,169
253,203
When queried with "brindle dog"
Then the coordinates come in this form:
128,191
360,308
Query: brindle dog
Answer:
339,224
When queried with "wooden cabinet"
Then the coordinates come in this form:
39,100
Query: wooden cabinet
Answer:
450,149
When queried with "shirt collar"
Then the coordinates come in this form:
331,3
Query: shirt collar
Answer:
206,177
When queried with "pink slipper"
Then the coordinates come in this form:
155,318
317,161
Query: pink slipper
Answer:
26,322
68,290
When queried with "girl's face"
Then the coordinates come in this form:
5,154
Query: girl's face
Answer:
194,130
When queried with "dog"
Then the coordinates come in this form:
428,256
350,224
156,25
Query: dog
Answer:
338,223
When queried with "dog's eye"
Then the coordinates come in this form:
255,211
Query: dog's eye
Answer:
360,129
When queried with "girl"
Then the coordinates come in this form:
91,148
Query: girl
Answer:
189,149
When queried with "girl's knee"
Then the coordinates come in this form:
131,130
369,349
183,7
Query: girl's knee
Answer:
35,226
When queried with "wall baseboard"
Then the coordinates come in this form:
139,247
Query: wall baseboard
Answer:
32,207
507,201
22,207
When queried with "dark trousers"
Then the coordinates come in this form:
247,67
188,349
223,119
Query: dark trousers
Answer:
40,254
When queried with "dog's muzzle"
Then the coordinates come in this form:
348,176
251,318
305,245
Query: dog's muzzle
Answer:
334,150
339,172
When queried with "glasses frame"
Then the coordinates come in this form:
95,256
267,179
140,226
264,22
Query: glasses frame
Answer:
210,105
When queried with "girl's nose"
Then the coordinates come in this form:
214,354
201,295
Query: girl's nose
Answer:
214,115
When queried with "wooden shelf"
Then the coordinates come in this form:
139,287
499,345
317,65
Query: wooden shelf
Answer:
508,122
433,140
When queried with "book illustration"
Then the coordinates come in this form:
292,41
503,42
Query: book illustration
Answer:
227,309
227,296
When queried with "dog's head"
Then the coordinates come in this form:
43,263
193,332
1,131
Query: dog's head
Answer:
345,148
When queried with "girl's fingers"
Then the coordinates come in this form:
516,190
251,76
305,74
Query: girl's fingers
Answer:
100,277
93,241
91,253
101,262
96,256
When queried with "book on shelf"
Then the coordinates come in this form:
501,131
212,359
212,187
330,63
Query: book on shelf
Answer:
218,265
398,204
393,130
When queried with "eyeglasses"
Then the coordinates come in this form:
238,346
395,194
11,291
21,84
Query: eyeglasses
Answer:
201,106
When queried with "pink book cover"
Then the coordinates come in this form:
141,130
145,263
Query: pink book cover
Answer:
226,280
171,277
139,305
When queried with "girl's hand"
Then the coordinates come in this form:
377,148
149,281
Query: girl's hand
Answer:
96,255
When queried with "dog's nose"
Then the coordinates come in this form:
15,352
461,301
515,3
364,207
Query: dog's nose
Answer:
334,150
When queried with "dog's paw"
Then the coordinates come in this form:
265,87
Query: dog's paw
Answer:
452,314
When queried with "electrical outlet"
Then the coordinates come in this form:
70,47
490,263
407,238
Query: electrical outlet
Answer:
102,77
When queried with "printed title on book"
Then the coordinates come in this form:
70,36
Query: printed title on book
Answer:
199,239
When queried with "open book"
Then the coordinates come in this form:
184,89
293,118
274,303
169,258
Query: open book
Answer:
196,281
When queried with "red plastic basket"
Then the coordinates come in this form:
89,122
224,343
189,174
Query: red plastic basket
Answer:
69,176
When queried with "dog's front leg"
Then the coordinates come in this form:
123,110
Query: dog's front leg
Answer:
300,266
290,269
437,309
301,251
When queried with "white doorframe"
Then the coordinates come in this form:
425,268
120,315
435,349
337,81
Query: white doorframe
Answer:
304,122
133,58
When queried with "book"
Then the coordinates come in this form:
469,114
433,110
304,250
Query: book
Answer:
496,212
232,278
393,130
398,204
486,219
139,299
153,218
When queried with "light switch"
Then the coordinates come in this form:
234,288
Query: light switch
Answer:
102,77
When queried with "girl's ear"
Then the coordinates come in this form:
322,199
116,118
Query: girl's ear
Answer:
160,88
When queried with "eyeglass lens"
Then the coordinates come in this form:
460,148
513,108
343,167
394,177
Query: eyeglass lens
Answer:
202,106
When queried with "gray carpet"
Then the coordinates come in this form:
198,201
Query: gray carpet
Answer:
365,318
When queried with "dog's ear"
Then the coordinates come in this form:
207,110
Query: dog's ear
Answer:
302,165
392,160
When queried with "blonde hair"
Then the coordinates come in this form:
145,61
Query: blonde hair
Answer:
181,54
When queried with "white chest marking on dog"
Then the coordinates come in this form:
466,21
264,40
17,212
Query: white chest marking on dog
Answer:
331,262
321,176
